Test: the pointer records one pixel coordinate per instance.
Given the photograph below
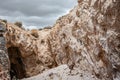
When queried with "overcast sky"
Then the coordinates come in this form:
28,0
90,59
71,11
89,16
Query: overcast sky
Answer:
35,13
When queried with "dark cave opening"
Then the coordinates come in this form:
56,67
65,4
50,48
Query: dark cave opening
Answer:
17,69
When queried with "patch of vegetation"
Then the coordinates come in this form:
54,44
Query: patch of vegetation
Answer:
48,27
40,29
5,21
34,32
19,24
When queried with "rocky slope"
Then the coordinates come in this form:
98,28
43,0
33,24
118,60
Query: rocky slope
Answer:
87,40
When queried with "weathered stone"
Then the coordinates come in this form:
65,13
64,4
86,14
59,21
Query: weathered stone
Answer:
4,59
87,40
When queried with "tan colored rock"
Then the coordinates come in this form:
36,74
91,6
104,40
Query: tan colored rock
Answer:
87,40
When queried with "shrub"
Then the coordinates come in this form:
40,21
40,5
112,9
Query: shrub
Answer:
34,33
48,27
40,29
5,21
19,24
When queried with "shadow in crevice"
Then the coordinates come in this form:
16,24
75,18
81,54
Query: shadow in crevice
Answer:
17,70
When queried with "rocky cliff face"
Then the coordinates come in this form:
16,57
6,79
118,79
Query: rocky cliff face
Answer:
87,40
4,59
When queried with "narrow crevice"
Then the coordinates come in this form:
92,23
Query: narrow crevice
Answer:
17,70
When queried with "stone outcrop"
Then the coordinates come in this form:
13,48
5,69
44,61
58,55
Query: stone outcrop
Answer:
87,40
4,59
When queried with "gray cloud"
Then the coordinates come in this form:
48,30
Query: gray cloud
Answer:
34,12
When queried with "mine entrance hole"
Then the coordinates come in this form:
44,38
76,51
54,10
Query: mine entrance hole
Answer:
17,69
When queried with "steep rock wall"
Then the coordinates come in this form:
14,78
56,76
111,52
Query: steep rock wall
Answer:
88,38
4,59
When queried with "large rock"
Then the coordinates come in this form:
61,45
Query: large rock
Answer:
87,40
4,59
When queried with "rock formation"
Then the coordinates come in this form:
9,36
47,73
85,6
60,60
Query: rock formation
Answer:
87,40
4,59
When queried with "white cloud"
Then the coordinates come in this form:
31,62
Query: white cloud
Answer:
35,12
30,27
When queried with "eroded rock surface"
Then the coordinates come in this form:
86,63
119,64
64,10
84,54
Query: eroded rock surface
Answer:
4,59
87,40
